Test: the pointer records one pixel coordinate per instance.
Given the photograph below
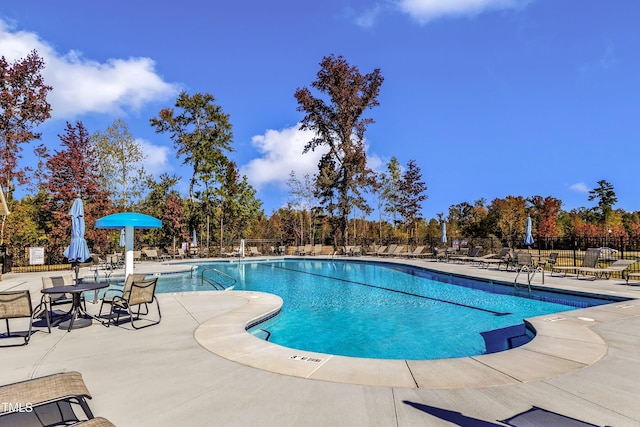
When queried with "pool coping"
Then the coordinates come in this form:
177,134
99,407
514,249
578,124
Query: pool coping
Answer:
564,342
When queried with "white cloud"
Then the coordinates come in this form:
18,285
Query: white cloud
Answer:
579,187
81,85
281,153
427,10
157,157
368,18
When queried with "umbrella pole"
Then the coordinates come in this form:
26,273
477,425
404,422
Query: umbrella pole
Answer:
76,268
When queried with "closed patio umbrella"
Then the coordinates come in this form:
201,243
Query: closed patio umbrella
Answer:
77,251
443,239
528,238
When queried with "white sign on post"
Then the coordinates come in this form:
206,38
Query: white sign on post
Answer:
36,256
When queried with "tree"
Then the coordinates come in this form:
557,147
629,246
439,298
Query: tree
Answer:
510,217
26,224
547,210
23,106
238,207
164,202
201,133
301,197
390,186
411,195
120,163
74,173
470,220
339,126
606,198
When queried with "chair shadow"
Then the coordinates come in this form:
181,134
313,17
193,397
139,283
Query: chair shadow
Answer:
451,416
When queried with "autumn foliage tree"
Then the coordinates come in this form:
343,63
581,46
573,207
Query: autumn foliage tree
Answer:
510,216
339,127
73,173
163,201
547,210
23,106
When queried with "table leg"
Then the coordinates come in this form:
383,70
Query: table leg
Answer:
77,319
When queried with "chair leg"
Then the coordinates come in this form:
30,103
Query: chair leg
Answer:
42,307
147,310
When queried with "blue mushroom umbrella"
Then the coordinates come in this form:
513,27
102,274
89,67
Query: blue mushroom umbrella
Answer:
130,221
77,251
443,239
528,238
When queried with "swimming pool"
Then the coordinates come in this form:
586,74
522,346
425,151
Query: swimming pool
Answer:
379,310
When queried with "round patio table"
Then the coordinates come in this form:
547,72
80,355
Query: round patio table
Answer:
79,317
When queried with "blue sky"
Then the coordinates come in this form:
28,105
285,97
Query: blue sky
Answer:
490,97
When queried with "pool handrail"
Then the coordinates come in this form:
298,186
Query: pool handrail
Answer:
216,284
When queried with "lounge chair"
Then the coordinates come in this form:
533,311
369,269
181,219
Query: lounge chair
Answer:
17,305
390,249
177,253
417,252
303,250
455,255
451,252
618,266
150,254
632,275
234,252
504,257
440,254
46,401
317,250
142,293
378,251
590,260
396,251
479,259
114,261
345,250
468,256
95,422
253,251
551,260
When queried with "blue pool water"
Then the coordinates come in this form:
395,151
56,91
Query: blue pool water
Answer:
378,310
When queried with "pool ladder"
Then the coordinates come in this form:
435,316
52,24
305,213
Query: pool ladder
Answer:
530,275
216,281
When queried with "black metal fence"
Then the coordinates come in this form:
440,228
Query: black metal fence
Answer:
570,250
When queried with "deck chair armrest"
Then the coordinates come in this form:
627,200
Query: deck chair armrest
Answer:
114,291
119,300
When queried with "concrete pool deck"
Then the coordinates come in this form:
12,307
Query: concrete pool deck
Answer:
198,366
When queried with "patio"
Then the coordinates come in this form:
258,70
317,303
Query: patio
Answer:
163,376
